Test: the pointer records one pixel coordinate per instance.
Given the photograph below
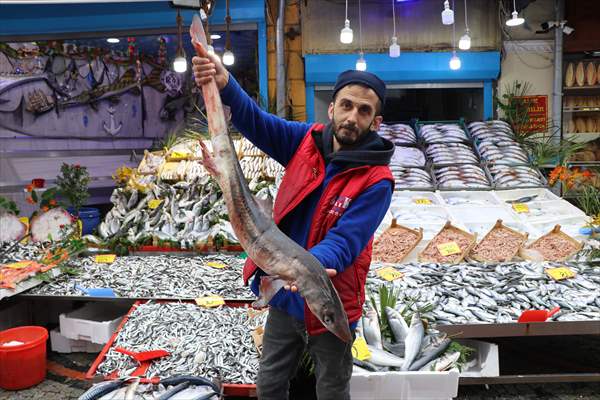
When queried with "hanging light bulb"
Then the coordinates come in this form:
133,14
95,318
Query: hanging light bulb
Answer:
361,63
455,61
180,62
515,20
394,47
465,41
346,35
113,40
228,57
447,14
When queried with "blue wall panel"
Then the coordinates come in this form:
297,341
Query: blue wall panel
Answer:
410,67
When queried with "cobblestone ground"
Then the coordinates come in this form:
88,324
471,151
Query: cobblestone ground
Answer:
58,387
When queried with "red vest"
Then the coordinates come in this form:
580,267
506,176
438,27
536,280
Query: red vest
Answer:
304,173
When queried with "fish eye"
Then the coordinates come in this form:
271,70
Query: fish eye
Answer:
327,319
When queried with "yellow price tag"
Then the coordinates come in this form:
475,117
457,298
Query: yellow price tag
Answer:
422,201
176,155
216,264
560,273
389,273
106,258
448,249
360,351
520,207
19,265
154,203
210,301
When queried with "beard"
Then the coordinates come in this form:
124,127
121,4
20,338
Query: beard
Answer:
347,135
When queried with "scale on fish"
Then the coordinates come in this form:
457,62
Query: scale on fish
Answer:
274,252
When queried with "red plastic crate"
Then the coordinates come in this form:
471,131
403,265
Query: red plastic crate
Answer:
229,389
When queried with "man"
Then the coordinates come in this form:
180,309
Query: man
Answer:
335,192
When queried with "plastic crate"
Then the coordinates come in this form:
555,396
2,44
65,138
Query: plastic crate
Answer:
94,322
62,344
418,385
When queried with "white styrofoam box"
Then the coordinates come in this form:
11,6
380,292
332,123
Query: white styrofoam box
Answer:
570,226
475,214
515,194
62,344
407,198
94,322
486,362
396,385
548,211
482,228
468,198
431,218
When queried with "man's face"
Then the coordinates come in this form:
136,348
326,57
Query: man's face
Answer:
354,113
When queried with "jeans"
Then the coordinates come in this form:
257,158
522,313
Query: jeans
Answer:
284,342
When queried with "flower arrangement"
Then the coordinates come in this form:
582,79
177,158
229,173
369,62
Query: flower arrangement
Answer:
72,184
45,201
570,177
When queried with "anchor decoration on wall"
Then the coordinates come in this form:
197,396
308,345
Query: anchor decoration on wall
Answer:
112,129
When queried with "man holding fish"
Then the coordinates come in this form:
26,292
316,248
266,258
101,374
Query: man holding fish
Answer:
336,190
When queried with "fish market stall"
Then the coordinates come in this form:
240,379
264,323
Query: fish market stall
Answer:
153,277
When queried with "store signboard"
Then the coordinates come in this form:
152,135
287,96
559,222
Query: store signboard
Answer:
537,109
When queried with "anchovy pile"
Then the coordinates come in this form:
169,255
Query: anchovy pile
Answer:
451,153
214,342
506,177
443,133
20,252
408,157
462,176
478,293
163,277
398,133
411,178
496,144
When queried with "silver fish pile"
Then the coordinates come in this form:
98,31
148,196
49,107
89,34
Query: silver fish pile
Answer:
189,213
462,176
163,277
478,293
183,387
19,252
506,177
213,342
412,348
496,144
411,178
451,153
407,157
398,133
443,133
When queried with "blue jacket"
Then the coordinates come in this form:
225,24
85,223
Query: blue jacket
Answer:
279,139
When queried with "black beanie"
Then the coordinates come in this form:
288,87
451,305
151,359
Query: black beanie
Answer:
363,78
